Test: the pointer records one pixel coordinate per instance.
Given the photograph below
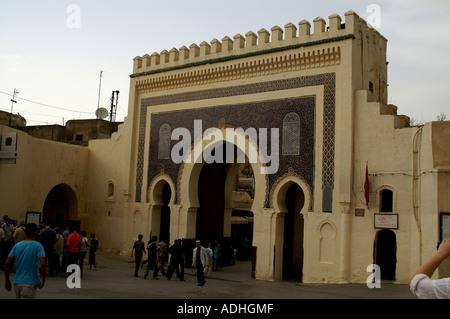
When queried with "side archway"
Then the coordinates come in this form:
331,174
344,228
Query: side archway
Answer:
290,198
61,206
161,197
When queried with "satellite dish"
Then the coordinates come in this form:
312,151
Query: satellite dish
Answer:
101,113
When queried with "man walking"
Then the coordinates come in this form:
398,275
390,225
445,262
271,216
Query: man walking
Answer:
26,254
200,260
48,238
153,256
177,260
162,256
73,246
139,250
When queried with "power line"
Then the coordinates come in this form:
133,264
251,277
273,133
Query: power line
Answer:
47,105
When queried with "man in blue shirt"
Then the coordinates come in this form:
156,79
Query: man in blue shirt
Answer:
26,254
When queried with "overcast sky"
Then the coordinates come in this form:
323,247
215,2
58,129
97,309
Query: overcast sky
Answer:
53,51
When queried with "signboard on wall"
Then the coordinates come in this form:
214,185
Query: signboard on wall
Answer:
8,148
386,221
33,217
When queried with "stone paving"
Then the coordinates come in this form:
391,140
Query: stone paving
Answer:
114,279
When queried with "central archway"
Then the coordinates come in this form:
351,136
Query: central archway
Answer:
225,195
193,181
211,196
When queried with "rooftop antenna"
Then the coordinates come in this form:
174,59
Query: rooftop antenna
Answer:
99,87
16,91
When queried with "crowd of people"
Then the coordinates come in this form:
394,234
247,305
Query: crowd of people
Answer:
58,247
27,245
205,260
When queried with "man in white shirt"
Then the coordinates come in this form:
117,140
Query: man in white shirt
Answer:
422,285
200,260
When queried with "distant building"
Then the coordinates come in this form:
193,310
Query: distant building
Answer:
78,132
283,138
14,120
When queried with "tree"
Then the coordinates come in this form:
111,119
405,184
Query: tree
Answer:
441,117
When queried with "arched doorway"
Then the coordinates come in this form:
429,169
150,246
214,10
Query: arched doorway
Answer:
293,234
61,207
225,194
192,189
386,253
164,230
161,196
211,196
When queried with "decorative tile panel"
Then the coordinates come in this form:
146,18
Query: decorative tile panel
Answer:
327,80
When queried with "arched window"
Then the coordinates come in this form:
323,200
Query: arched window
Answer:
386,201
291,134
110,190
164,142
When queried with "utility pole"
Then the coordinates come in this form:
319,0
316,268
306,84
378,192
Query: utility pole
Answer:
114,102
12,104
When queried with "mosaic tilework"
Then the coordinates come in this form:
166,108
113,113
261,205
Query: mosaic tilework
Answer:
269,114
140,157
327,80
291,134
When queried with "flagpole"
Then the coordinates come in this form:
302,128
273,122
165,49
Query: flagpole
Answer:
366,185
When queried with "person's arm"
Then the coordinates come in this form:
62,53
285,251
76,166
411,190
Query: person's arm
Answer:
433,263
13,238
68,242
9,261
43,272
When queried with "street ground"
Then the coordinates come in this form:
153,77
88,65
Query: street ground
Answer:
114,280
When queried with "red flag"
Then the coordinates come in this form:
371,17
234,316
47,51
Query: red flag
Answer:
366,186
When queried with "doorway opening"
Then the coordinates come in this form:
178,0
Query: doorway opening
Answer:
225,195
61,207
164,229
211,197
386,253
293,234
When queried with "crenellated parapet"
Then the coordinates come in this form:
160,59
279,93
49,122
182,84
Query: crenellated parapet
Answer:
262,42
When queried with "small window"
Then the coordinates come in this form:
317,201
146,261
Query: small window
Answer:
79,137
110,190
386,201
371,87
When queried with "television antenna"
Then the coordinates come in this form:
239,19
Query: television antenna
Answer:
99,88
